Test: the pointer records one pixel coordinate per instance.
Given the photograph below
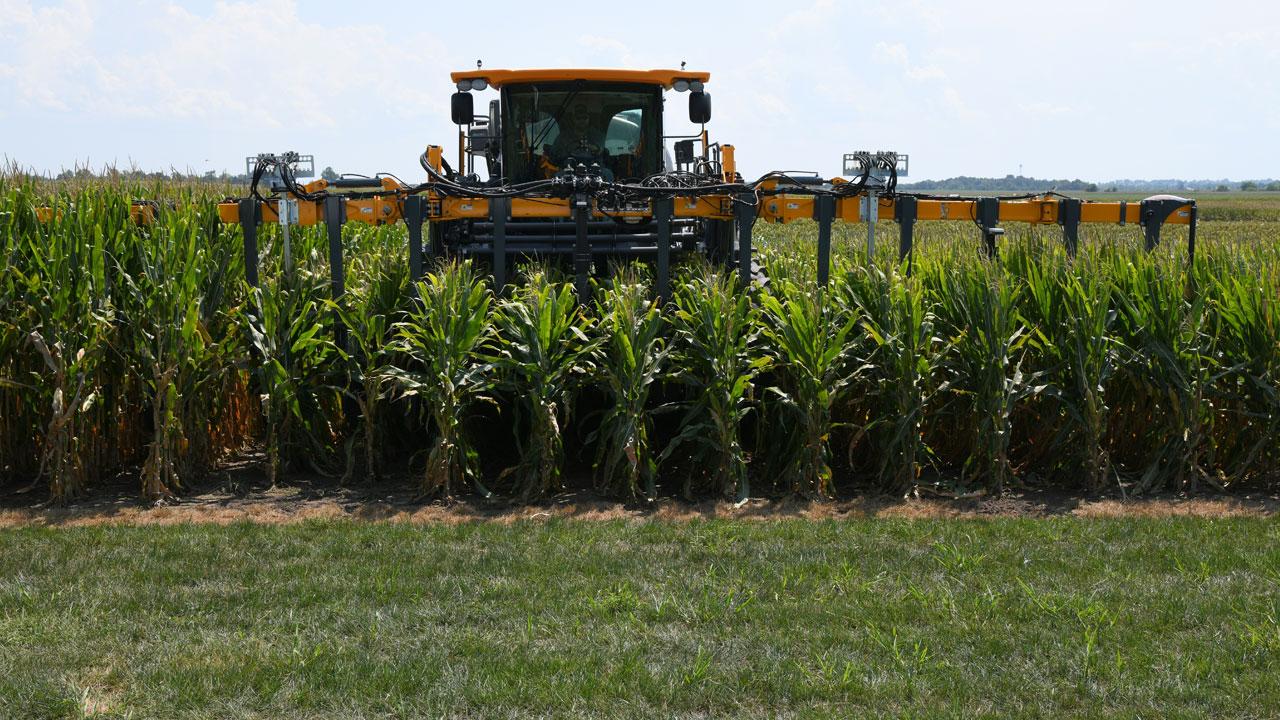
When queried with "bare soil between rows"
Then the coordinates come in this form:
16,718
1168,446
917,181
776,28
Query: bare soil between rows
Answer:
240,492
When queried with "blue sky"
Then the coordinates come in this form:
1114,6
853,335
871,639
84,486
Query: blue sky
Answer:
1096,90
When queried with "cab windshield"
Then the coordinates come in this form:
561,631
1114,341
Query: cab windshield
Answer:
554,126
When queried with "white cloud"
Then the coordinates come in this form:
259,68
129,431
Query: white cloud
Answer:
805,20
926,72
891,53
1043,108
896,54
165,81
261,62
48,52
909,14
955,103
616,51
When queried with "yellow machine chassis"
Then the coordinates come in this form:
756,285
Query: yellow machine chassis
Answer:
782,208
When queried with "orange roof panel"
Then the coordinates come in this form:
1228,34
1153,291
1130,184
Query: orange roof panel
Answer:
498,78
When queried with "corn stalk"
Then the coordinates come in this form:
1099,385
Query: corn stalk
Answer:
441,361
292,354
984,380
633,359
897,358
1072,315
65,288
716,331
542,353
806,330
377,298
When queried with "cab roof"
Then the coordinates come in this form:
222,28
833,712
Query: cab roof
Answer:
498,78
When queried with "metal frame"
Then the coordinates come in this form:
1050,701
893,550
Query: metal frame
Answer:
737,215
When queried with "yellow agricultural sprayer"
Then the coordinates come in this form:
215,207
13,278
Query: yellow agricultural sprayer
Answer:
578,168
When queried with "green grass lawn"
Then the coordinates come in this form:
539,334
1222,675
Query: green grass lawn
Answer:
1011,617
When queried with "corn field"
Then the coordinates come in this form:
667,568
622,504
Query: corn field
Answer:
142,352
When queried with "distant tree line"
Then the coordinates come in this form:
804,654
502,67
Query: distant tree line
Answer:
1008,183
211,177
1254,186
1020,183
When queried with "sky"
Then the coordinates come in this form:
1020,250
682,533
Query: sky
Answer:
1084,89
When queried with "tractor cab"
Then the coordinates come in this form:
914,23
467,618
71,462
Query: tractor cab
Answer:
545,122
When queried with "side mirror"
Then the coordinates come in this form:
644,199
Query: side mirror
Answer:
699,108
464,108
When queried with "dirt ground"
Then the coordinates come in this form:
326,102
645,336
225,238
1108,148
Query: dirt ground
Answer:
240,492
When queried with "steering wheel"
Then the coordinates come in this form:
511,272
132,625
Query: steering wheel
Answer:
588,153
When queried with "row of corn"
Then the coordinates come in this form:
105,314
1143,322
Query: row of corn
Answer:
141,351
